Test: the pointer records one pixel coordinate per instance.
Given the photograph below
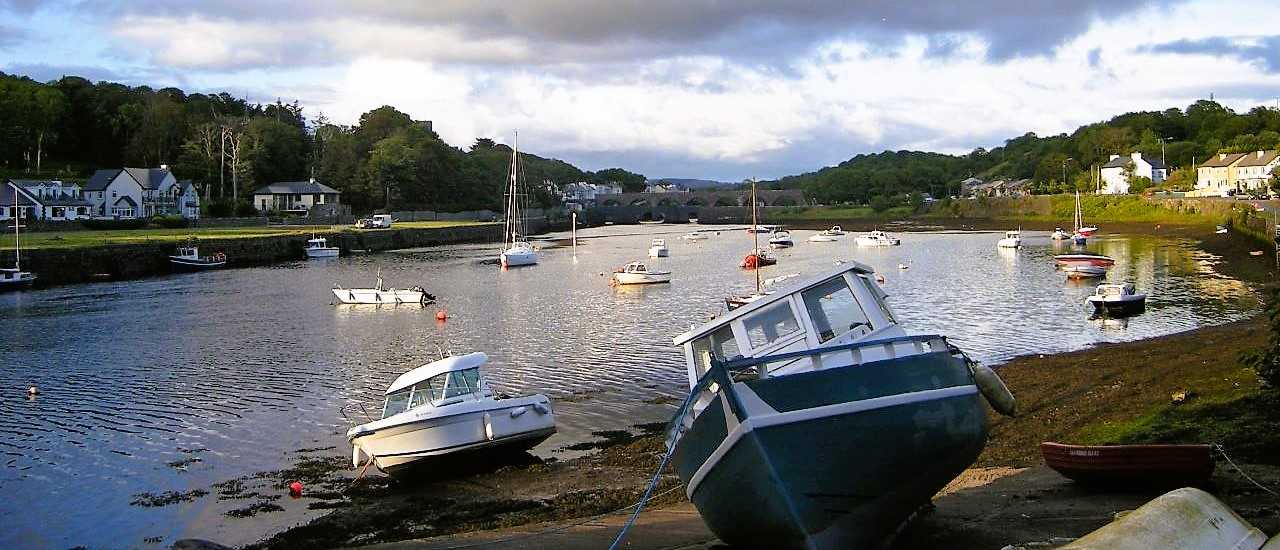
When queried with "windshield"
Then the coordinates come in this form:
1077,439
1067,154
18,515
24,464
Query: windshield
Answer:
463,382
833,309
396,403
770,325
719,344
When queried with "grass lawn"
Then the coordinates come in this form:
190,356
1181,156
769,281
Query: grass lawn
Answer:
78,239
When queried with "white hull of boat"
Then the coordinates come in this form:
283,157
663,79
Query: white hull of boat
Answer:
326,252
23,281
694,237
642,278
371,296
189,263
523,421
655,252
1084,271
868,241
518,256
1009,243
820,238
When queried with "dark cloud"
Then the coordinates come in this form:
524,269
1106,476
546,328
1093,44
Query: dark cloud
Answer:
1262,50
635,30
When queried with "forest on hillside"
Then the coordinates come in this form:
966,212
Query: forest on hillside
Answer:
1182,137
70,127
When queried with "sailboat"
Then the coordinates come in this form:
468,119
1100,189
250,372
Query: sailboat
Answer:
758,257
516,249
15,277
1082,231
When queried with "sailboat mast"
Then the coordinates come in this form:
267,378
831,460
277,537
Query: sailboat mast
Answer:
17,248
510,229
755,235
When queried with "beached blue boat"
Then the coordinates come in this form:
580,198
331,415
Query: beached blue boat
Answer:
814,421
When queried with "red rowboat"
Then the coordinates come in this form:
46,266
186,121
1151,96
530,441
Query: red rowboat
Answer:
1084,259
1158,465
757,260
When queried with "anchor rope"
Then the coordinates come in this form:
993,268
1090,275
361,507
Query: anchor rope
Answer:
1222,451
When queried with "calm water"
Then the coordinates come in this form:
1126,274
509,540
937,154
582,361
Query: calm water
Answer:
243,367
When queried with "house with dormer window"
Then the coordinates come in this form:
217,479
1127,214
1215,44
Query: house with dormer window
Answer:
126,193
45,200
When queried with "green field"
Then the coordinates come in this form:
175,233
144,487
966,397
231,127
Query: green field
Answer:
92,238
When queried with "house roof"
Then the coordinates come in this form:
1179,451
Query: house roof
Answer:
29,198
126,200
1254,159
1122,160
184,185
1222,160
150,178
295,187
101,179
6,198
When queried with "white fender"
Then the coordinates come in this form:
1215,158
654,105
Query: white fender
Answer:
488,426
541,408
516,412
993,388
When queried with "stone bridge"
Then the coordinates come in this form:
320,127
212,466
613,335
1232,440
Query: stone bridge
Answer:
697,199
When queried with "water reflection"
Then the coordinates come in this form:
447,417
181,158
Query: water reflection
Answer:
241,367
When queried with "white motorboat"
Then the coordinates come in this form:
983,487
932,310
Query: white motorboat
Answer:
14,277
380,295
694,236
188,257
762,228
1084,271
828,235
637,273
1012,239
877,238
516,250
763,288
1059,235
781,239
318,247
1117,299
444,408
658,249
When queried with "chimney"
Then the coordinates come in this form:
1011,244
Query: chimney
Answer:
164,166
1114,157
1136,155
312,180
1222,156
1260,154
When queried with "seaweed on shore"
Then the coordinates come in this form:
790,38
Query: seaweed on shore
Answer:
153,500
254,509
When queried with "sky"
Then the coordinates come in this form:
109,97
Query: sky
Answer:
709,89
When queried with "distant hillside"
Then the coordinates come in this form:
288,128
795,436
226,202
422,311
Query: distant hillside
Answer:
691,183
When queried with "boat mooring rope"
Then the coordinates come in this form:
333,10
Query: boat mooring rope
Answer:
643,499
1222,451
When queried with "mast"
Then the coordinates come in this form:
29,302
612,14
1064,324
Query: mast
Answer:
755,235
511,228
17,249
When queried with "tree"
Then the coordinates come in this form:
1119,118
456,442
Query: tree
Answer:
47,109
393,165
631,182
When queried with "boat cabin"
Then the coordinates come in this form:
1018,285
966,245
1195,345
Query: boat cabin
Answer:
444,382
838,307
13,275
634,267
318,242
1115,290
1014,234
187,252
659,243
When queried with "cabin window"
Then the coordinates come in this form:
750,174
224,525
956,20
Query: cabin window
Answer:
833,309
462,383
396,403
719,344
428,392
770,325
879,294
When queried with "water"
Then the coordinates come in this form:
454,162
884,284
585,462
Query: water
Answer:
241,368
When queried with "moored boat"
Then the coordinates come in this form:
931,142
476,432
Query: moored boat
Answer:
1059,235
444,408
380,295
694,236
318,247
1084,271
637,273
1117,300
757,259
1167,465
188,258
1012,239
1084,258
781,239
876,238
658,249
516,250
14,278
814,421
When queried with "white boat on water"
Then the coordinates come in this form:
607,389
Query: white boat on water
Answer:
380,295
877,238
1012,239
1117,299
318,247
828,235
516,250
1059,235
12,278
1084,271
188,258
637,273
781,239
658,249
694,236
446,407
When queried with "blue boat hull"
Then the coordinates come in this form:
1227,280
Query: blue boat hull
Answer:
854,453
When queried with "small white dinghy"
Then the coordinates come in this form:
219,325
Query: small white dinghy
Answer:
1012,239
1059,235
446,407
694,236
658,249
637,273
1084,271
1117,300
380,295
828,235
318,247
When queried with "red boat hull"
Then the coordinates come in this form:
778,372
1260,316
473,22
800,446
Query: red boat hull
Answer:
1084,259
1148,465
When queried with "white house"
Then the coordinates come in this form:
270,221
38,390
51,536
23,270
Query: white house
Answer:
664,187
141,193
1116,182
1254,171
585,193
48,200
293,196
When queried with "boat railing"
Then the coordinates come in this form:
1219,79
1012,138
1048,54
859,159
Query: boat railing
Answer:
719,376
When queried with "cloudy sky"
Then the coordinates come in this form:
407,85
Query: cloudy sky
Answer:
679,88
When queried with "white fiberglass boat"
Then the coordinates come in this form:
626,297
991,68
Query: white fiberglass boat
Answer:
694,236
1012,239
189,258
318,247
379,295
781,239
1084,271
516,250
636,273
877,238
1117,299
1059,235
658,249
828,235
12,278
446,407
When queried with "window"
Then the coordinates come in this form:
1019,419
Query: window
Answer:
463,383
719,344
396,403
833,309
879,295
770,325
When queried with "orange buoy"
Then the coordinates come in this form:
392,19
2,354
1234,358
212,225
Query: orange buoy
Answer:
295,489
442,315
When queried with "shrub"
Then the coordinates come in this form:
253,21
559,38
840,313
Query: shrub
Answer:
218,209
170,222
115,224
1266,360
246,210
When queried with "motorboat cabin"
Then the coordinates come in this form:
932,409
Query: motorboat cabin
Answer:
658,249
637,273
447,407
1117,300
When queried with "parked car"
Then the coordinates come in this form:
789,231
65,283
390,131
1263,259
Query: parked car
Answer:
376,221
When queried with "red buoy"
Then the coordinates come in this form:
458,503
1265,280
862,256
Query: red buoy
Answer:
295,489
441,315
